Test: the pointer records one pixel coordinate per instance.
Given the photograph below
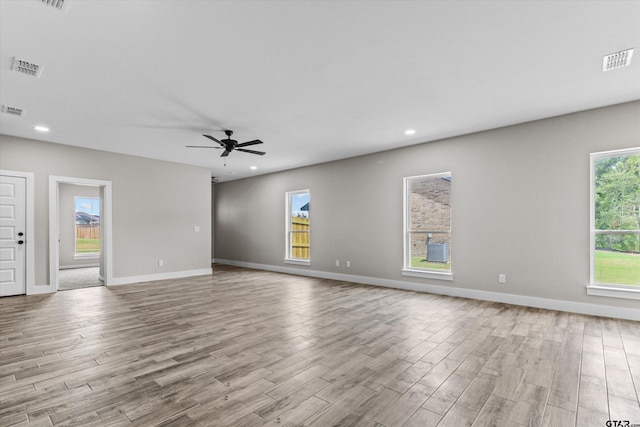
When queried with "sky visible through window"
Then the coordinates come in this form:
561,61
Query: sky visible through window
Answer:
298,201
87,205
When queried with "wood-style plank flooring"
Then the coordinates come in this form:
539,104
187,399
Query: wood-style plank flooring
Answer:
252,348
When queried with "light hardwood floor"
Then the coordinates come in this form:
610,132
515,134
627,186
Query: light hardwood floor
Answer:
251,348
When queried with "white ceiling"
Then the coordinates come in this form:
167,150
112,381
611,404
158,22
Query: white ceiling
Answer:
315,80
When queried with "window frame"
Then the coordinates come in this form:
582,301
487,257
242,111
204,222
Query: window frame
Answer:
289,259
596,288
407,269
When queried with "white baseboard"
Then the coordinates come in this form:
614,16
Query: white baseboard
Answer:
40,290
523,300
160,276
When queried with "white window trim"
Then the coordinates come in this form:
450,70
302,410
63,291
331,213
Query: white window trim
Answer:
428,274
614,291
604,289
288,259
297,261
87,255
407,270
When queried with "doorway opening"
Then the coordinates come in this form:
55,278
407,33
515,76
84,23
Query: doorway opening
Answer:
79,246
80,238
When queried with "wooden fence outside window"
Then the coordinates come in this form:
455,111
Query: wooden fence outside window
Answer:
87,231
300,238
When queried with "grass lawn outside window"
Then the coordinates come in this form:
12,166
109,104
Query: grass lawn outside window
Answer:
420,262
617,268
87,245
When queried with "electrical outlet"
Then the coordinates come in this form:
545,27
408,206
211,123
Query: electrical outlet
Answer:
502,278
196,229
160,263
337,263
348,264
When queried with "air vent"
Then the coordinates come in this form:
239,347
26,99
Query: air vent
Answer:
26,67
617,60
58,4
14,111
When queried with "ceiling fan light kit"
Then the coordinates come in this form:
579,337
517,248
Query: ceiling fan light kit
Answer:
230,145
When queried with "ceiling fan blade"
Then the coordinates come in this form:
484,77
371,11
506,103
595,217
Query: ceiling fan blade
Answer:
254,142
212,138
260,153
200,146
225,153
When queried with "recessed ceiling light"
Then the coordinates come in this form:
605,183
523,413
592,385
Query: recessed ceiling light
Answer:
253,168
42,128
409,131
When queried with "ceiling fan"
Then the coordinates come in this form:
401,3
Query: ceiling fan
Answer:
230,144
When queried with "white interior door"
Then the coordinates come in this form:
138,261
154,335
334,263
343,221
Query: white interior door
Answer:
12,235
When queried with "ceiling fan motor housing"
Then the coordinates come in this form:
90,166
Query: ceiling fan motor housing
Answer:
231,144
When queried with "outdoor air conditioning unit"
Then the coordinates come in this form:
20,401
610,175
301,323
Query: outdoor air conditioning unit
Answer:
438,252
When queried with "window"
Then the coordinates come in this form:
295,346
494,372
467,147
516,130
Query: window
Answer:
615,224
427,226
298,223
87,220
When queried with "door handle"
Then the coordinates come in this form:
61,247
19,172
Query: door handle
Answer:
20,242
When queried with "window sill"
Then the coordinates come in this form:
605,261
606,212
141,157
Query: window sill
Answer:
297,261
428,274
89,255
614,291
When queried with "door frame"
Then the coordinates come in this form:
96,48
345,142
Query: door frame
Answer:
30,228
54,226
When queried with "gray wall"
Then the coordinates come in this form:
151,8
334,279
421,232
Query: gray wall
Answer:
520,206
156,205
66,221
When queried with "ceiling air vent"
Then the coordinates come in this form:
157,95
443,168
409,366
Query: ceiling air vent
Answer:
12,110
617,60
58,4
26,67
